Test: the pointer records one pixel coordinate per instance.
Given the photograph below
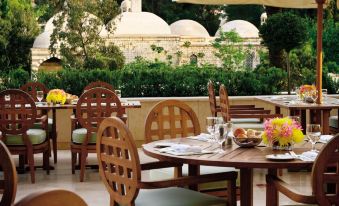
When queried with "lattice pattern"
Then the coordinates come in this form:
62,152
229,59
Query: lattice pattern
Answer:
17,112
326,174
224,103
99,84
32,88
211,97
118,160
95,105
171,119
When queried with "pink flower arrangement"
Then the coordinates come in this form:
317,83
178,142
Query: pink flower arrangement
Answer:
282,131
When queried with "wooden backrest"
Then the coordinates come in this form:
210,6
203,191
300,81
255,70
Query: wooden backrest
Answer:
95,105
119,164
99,84
32,88
171,119
224,103
211,97
56,197
9,182
326,171
17,112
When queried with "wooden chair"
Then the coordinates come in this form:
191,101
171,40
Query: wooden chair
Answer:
228,114
32,88
325,174
92,107
17,115
120,170
54,197
333,121
9,182
215,108
99,84
172,119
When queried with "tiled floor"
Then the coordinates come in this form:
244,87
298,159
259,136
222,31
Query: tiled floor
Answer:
94,192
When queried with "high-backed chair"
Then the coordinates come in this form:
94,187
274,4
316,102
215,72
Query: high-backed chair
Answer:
10,179
99,84
120,171
230,115
93,106
172,119
32,88
325,174
54,197
17,115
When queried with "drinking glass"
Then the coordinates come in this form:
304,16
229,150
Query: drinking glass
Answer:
7,98
40,95
118,93
220,136
211,125
314,96
324,92
313,132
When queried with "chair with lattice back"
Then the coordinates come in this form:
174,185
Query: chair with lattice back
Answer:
93,106
99,84
120,170
325,179
245,118
17,116
32,88
8,182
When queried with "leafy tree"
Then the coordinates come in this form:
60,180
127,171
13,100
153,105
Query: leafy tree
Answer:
249,13
78,32
284,31
18,29
170,11
230,50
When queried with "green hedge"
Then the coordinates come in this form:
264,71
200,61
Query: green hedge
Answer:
156,79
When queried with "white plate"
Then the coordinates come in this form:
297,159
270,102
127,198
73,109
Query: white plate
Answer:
164,144
280,157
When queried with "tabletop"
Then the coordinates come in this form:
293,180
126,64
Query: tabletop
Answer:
291,102
246,159
124,104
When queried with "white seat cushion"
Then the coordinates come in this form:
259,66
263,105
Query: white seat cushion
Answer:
245,120
333,121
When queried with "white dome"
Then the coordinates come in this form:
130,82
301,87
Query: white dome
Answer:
140,23
244,28
43,40
188,27
50,26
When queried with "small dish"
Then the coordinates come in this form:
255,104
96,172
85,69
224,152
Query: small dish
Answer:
280,157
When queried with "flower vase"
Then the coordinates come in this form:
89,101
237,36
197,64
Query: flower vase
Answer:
277,146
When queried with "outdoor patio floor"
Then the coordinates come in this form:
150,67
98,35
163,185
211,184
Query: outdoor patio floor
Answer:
94,192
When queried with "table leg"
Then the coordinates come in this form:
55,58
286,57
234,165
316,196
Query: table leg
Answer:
272,198
246,187
326,123
277,109
54,138
193,170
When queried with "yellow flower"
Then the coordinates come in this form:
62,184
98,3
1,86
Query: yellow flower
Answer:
57,96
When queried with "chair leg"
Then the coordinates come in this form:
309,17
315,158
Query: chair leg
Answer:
177,171
74,159
46,160
55,147
113,203
83,157
30,159
232,193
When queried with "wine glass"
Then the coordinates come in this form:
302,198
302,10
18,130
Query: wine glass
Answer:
313,132
314,96
118,93
324,92
211,123
40,95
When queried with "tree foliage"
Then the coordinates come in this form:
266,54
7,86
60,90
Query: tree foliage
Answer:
80,36
18,29
250,13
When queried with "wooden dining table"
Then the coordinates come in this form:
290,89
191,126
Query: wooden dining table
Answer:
320,113
245,159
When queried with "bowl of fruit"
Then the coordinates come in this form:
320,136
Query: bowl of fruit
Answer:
249,138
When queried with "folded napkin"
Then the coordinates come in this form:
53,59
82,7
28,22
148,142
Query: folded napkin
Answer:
325,138
308,156
183,149
202,137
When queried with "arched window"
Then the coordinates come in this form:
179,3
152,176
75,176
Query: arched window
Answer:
52,64
193,59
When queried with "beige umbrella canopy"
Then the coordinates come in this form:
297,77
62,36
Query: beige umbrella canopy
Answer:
298,4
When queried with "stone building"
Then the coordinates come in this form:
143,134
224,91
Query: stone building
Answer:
144,34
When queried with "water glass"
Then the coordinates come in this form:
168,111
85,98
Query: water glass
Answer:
7,98
324,92
313,132
211,125
118,93
40,95
220,136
